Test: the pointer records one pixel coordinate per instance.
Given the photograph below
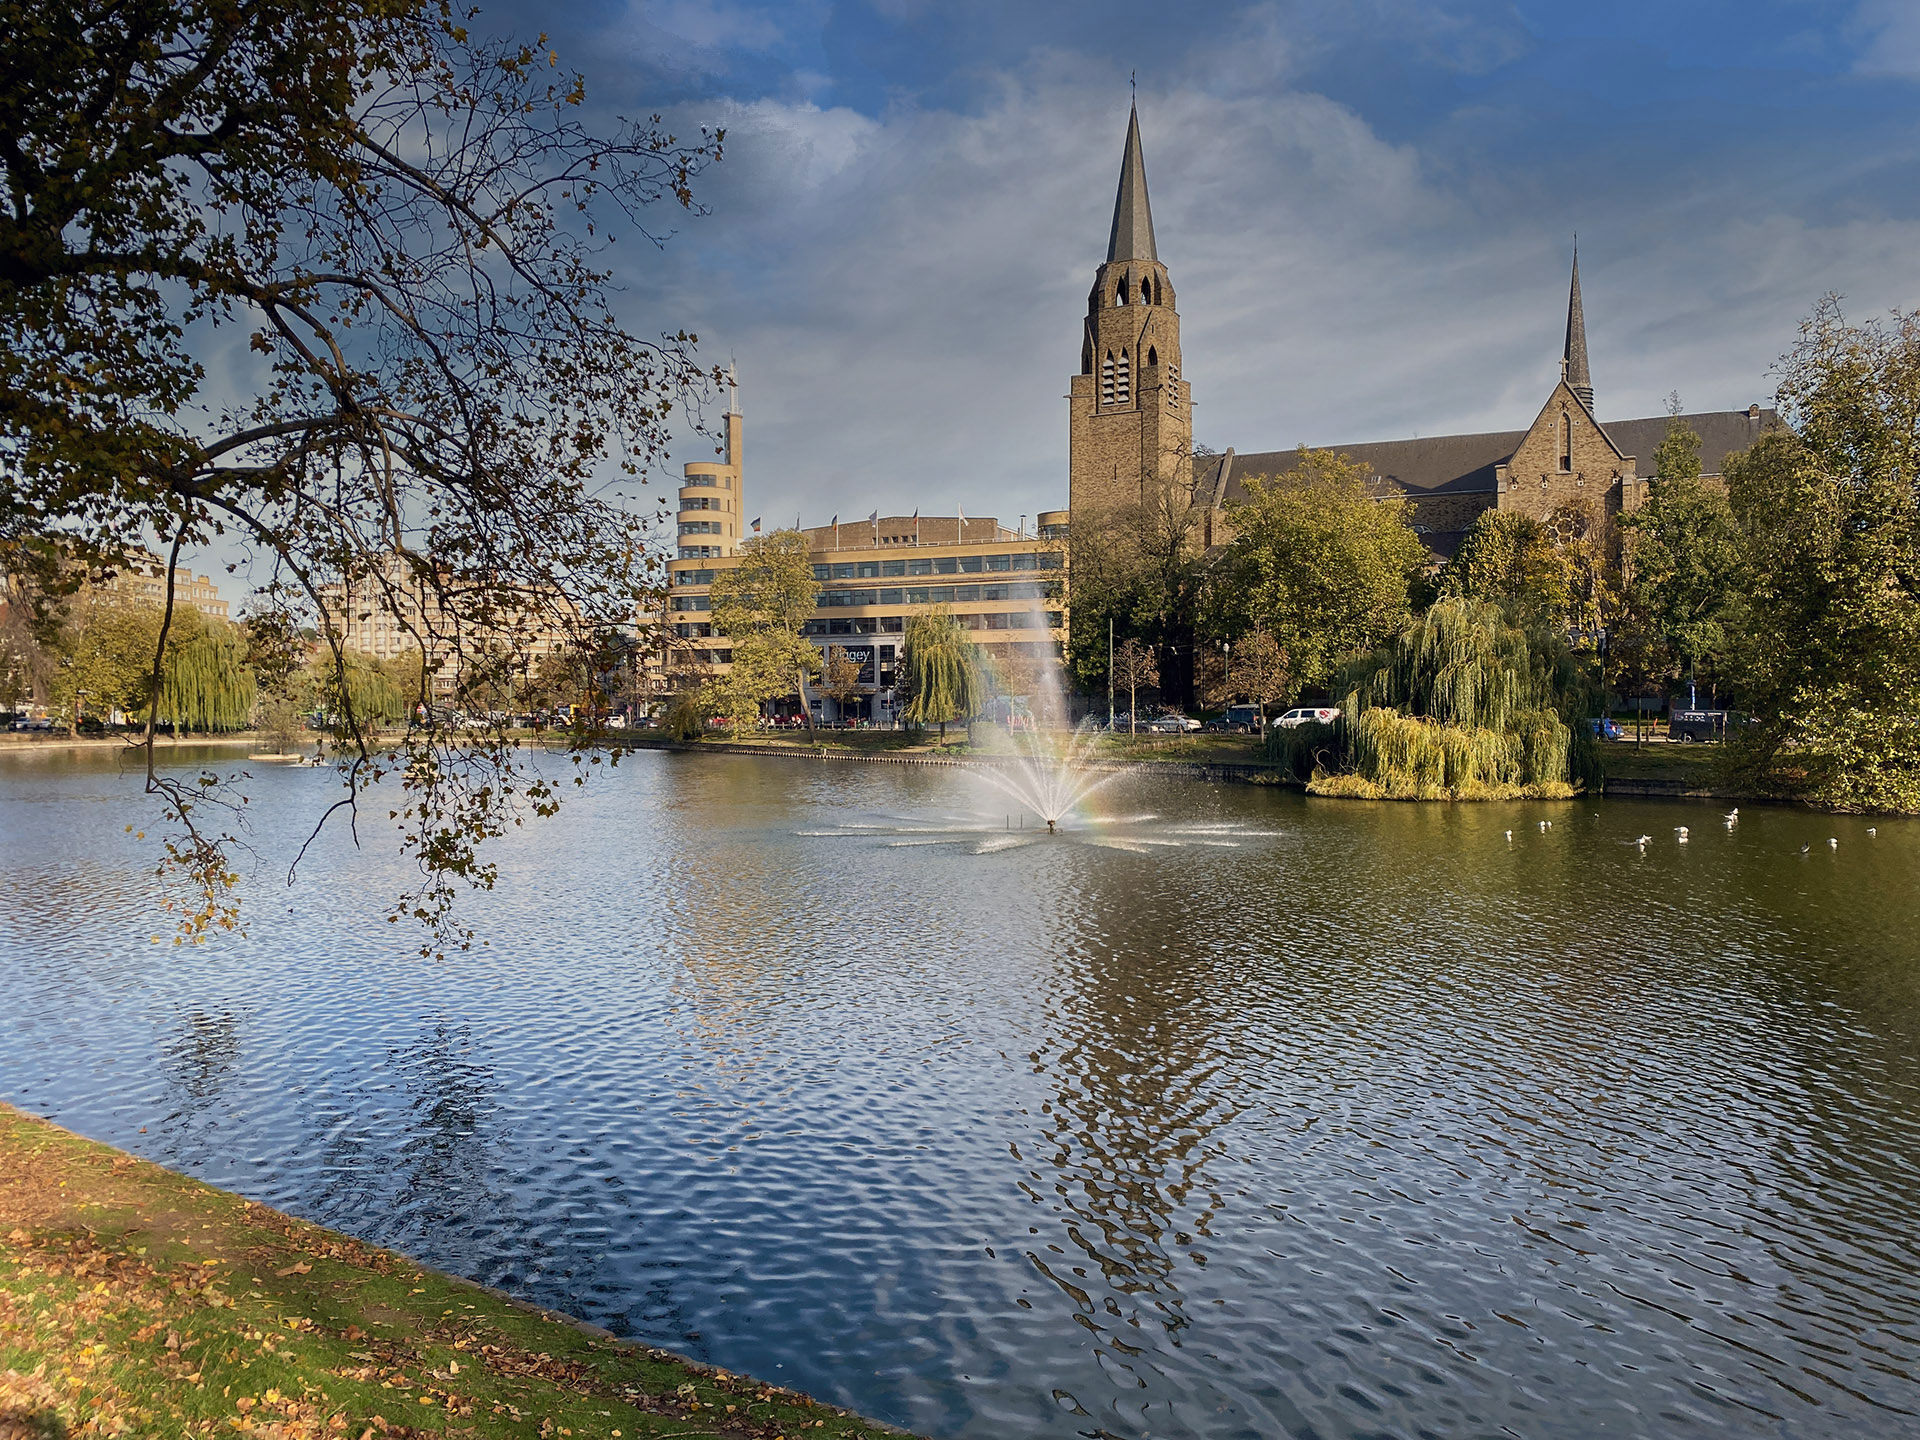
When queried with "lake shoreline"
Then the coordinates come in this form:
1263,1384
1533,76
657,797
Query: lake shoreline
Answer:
135,1293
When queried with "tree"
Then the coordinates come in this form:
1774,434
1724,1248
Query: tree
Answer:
407,224
1136,565
1318,564
1255,670
103,657
762,605
1685,557
941,671
1510,558
1134,667
840,677
1465,703
1827,652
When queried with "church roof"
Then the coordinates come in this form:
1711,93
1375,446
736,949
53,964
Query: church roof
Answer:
1465,464
1132,236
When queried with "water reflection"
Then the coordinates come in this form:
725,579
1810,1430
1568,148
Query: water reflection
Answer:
1376,1123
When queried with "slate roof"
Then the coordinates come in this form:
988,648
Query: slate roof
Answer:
1465,464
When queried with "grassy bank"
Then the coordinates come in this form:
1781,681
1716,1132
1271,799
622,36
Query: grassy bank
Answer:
1695,766
135,1301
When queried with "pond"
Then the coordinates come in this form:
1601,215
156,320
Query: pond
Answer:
1297,1117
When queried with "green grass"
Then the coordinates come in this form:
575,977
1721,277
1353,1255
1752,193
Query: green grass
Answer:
1695,765
135,1301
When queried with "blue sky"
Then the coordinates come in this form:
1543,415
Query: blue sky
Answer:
1365,207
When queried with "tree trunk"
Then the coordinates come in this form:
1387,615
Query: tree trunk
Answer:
800,678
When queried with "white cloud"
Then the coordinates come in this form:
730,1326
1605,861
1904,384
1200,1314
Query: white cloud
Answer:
1891,29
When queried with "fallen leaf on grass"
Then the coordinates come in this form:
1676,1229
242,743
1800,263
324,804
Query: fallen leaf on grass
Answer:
301,1268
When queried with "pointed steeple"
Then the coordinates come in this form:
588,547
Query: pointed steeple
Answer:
1132,237
1574,362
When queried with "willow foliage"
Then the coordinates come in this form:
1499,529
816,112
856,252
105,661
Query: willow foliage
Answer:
944,679
205,683
1463,704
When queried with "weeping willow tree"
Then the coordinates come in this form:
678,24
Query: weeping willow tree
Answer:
205,682
1463,704
380,692
944,677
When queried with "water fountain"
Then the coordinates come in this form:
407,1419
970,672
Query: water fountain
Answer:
1050,774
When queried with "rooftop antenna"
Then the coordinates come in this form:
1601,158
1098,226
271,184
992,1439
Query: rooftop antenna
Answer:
733,387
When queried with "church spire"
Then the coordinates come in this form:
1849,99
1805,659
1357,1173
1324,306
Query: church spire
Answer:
1132,237
1574,362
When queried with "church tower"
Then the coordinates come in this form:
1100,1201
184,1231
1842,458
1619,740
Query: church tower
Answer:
1130,428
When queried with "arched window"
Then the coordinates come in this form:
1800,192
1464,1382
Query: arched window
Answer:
1123,381
1566,441
1153,357
1120,292
1106,379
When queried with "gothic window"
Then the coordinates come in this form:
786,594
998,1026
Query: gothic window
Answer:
1120,292
1153,357
1566,441
1106,379
1123,381
1146,290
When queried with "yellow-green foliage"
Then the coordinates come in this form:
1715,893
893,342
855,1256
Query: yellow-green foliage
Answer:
1461,705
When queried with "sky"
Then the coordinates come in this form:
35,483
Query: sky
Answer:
1366,208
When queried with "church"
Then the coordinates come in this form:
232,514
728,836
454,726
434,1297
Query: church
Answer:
1130,434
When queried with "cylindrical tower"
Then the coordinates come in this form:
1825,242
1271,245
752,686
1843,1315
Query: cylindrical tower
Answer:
711,505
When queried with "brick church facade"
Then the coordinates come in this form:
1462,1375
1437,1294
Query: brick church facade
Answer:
1130,437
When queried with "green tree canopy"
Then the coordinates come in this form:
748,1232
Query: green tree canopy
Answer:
1464,703
1685,558
1510,558
406,226
942,673
1828,653
762,606
1318,564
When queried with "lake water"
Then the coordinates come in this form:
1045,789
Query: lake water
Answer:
1328,1120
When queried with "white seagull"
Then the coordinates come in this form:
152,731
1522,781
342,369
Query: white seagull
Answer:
1873,829
1833,842
1644,841
1509,837
1732,815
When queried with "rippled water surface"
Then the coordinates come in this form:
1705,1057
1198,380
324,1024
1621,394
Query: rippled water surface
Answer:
1283,1117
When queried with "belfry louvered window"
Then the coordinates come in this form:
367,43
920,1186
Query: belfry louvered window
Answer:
1123,381
1173,385
1106,379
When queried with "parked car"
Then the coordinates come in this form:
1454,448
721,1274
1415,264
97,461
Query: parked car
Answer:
1167,725
1308,715
616,722
1605,727
33,722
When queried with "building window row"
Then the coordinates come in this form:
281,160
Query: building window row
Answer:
701,527
692,577
700,552
710,481
941,565
692,602
701,502
932,595
897,624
